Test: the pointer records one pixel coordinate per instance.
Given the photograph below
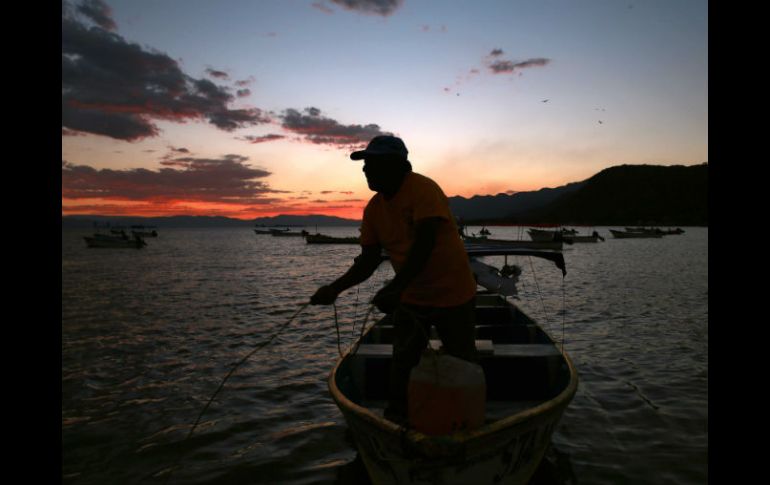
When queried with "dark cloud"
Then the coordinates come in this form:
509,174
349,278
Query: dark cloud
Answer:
500,66
217,74
496,52
326,131
375,7
245,82
118,89
225,180
98,12
264,138
242,93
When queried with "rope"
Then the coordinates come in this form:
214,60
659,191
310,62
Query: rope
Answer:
337,326
357,343
539,294
222,384
355,312
563,311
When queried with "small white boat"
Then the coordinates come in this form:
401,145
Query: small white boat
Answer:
550,235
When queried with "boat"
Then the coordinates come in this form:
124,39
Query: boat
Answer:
529,384
144,231
551,245
637,234
542,235
269,231
485,232
571,239
114,241
546,235
324,239
287,233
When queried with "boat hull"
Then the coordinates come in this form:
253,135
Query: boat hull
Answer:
634,235
541,235
507,449
322,239
507,454
545,244
287,234
94,242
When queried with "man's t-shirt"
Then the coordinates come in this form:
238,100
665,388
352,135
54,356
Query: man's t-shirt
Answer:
447,279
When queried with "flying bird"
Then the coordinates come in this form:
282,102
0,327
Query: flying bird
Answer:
545,101
600,122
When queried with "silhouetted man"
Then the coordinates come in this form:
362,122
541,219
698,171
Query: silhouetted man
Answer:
409,217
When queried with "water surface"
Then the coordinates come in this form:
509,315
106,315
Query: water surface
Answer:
148,335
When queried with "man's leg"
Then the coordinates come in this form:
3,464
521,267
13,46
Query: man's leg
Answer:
410,339
456,326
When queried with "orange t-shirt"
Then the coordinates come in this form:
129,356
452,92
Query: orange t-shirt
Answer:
447,279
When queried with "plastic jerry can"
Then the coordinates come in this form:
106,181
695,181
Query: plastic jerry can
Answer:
446,394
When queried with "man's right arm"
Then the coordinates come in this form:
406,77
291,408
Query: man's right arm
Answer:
363,266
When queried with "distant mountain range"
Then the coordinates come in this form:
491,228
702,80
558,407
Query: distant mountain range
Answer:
622,195
502,206
88,221
311,220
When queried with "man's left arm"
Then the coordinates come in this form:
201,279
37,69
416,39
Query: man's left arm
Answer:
425,239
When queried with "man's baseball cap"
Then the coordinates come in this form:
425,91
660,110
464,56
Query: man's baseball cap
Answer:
380,146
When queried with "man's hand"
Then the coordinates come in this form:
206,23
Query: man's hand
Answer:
387,299
326,295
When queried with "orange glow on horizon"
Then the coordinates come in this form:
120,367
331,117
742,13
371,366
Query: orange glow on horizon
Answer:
345,210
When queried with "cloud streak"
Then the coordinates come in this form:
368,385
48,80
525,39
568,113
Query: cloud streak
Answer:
501,66
217,74
114,88
264,138
320,130
369,7
225,180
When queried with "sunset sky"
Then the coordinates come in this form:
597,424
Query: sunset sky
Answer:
250,108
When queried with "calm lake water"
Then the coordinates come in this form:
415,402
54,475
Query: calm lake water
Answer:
148,335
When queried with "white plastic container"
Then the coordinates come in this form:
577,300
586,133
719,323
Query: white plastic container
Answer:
446,394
